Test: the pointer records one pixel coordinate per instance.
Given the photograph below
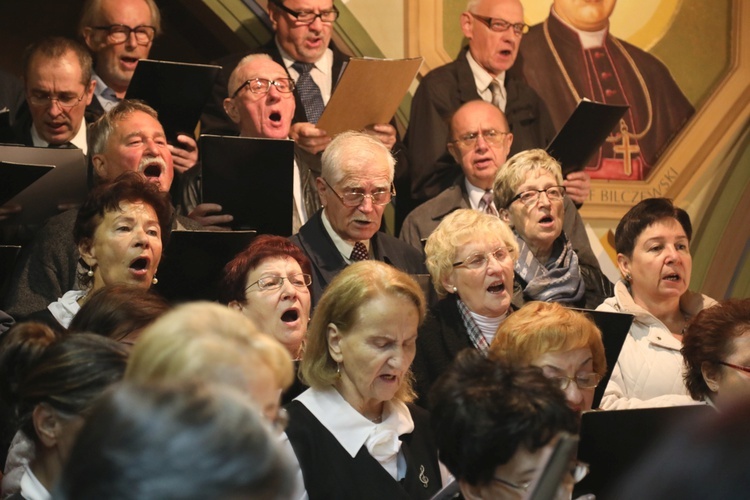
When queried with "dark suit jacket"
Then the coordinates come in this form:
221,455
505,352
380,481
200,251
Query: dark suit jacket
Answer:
441,92
327,261
215,121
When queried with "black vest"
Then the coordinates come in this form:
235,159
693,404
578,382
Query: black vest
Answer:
331,473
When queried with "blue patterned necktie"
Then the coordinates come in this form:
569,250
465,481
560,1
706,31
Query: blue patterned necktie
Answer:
309,92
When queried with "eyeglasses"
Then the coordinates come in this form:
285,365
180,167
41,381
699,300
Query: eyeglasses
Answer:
308,17
491,136
299,280
480,260
263,86
578,472
65,100
587,381
531,197
745,369
355,198
499,25
119,33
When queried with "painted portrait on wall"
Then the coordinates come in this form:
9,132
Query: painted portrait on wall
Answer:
573,55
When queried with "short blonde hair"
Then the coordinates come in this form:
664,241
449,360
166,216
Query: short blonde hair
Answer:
206,341
541,327
351,290
457,229
514,171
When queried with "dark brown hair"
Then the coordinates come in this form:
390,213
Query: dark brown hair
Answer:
644,214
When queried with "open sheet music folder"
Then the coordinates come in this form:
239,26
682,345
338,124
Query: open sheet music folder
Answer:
584,133
252,179
64,185
177,91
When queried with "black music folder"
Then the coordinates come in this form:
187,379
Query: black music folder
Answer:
584,133
178,91
17,177
64,185
192,263
614,327
252,179
613,441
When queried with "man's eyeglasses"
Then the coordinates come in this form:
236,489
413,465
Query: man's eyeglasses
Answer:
263,86
65,100
491,136
577,472
500,25
531,197
586,381
355,198
480,260
745,369
119,33
299,280
308,17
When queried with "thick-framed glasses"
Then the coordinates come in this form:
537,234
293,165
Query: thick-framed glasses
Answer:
586,381
355,198
480,260
577,472
500,25
491,136
741,368
531,197
304,18
299,280
263,86
65,100
119,33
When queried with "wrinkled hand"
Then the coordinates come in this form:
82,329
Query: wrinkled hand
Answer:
309,137
578,186
384,132
184,158
202,215
9,210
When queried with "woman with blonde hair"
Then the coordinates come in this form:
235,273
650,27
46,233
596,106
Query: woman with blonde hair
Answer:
210,342
354,432
564,343
470,257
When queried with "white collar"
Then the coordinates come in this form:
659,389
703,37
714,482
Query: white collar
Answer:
474,193
324,64
589,39
66,307
342,246
79,140
31,488
350,428
482,78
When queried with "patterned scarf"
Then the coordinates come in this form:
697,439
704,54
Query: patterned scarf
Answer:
475,334
558,281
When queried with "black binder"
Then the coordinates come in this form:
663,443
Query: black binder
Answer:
177,91
584,133
252,179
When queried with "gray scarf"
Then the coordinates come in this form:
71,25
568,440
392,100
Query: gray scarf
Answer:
557,281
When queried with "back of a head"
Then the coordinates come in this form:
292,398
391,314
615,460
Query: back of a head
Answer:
118,311
67,372
482,412
186,441
207,340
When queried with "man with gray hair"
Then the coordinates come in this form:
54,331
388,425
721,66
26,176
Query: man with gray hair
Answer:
355,185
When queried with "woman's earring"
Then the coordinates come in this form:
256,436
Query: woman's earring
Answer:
628,277
154,280
90,273
455,289
338,370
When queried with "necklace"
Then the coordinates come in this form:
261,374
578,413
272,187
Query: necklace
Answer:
625,135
